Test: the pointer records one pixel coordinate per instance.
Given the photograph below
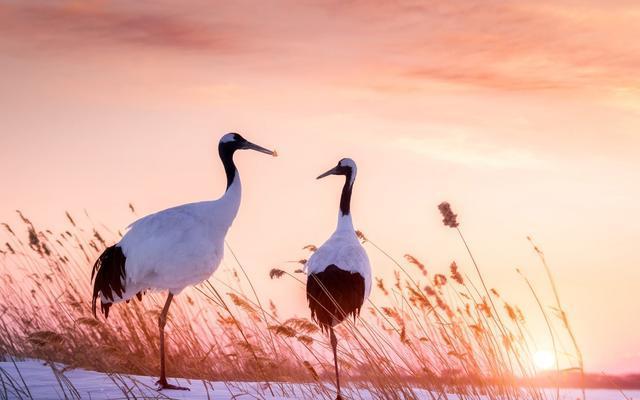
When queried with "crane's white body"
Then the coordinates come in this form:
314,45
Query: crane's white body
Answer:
344,250
179,246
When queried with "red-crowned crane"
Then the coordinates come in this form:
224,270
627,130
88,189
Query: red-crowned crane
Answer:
339,273
171,249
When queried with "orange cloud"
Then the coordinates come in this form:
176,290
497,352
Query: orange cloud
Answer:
495,44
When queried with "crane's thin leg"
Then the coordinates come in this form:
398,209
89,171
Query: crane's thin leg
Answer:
334,345
162,321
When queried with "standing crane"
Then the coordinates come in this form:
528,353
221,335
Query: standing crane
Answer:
171,249
339,273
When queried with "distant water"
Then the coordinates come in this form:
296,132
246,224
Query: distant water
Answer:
42,384
594,394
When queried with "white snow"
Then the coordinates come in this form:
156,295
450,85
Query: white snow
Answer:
43,384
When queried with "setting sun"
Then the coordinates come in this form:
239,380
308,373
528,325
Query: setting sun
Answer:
544,359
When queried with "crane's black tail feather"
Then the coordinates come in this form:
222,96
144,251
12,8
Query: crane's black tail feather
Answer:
108,277
334,294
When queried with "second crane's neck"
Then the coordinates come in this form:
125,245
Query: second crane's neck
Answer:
344,217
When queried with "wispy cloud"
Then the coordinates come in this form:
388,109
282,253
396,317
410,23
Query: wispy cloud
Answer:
96,24
460,148
507,45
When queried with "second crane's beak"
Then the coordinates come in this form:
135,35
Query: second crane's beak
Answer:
261,149
332,171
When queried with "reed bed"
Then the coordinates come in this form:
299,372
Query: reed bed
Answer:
447,333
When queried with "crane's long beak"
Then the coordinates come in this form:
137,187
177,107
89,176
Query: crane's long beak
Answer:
332,171
261,149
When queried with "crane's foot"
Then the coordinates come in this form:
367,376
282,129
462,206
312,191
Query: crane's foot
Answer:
339,397
164,385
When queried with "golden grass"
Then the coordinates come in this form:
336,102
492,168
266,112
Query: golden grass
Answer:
429,331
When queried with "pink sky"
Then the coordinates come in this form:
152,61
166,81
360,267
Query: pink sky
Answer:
524,116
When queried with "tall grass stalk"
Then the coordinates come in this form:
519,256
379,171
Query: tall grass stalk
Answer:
562,313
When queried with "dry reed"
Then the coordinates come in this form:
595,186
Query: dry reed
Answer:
428,331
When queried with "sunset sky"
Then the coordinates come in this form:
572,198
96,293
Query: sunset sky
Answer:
525,117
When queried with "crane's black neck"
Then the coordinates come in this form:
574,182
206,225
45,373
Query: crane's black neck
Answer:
226,150
345,199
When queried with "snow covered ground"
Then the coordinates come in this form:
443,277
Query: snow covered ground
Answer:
43,383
